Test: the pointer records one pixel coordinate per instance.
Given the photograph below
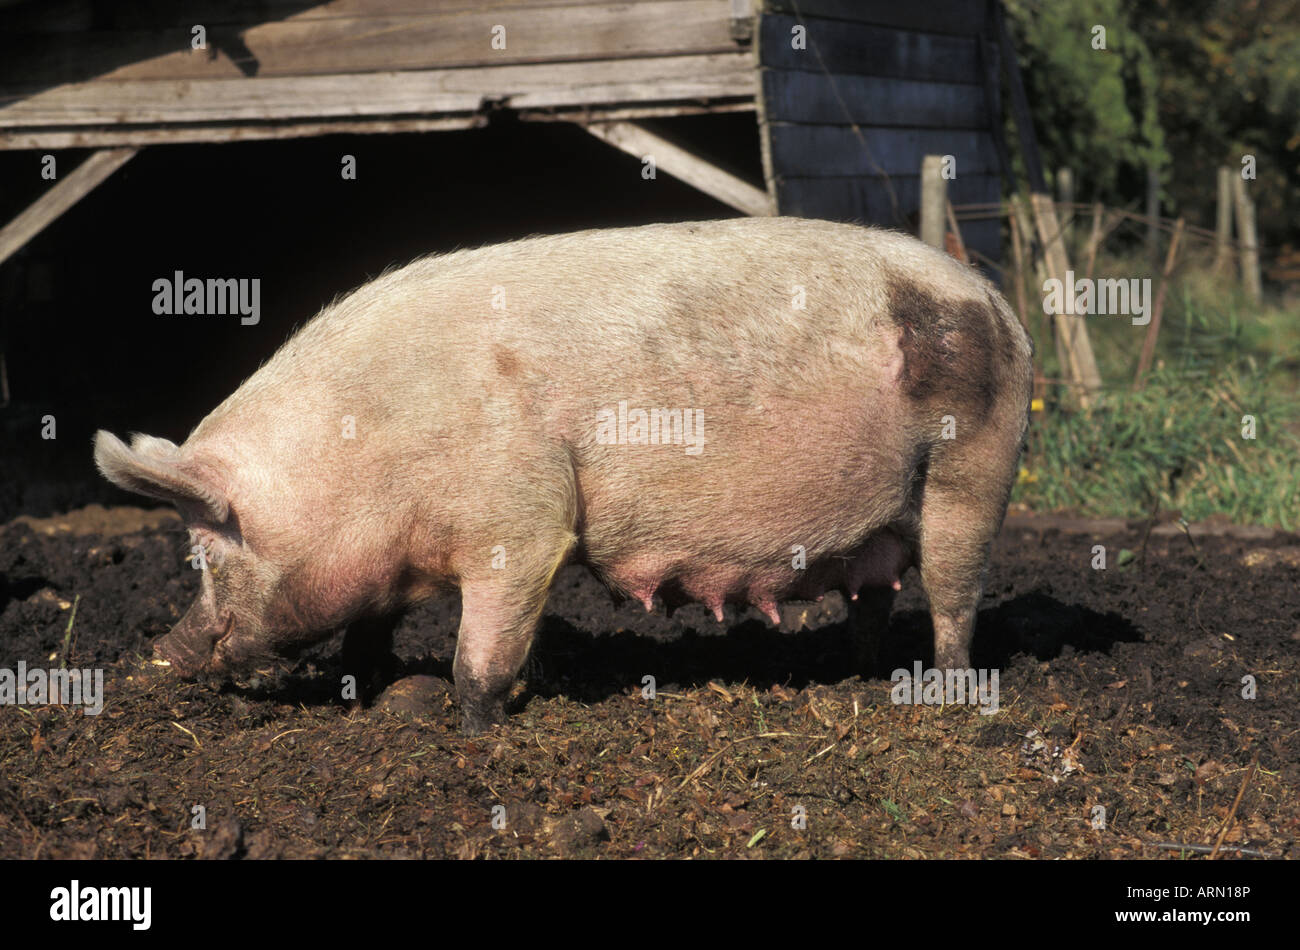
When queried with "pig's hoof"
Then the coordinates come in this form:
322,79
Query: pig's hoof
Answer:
478,717
415,696
475,724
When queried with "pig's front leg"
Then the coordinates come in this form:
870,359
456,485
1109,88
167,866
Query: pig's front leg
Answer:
368,655
499,615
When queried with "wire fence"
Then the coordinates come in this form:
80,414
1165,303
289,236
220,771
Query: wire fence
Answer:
1199,245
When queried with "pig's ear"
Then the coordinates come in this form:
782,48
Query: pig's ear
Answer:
155,467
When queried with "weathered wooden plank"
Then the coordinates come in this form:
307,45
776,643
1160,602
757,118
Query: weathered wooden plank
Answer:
868,198
795,96
423,92
61,196
1248,237
824,150
960,17
680,163
427,40
72,16
107,136
586,113
103,137
865,50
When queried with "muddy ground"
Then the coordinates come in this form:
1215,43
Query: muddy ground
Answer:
1120,688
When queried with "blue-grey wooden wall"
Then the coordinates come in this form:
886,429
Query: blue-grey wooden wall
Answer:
846,121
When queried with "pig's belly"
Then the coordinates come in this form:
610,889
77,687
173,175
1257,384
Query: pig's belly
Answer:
753,556
878,561
822,480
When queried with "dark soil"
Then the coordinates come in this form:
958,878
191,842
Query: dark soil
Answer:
1120,688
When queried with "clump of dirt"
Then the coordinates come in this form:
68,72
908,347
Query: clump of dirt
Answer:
1134,703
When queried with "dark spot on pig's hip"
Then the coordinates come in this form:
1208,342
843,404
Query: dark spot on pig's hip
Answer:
951,350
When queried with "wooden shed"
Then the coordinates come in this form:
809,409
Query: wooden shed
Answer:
849,95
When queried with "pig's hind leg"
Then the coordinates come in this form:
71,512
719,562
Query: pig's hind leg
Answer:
964,500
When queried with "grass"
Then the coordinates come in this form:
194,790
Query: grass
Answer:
1182,441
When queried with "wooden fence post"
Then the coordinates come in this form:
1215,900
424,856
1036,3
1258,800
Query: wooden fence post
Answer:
1223,219
1018,256
1065,195
934,201
1026,229
1027,235
1094,238
1153,328
1246,238
1070,328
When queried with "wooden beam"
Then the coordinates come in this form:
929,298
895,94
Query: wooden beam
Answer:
108,136
690,168
415,38
62,16
62,196
390,94
140,135
650,110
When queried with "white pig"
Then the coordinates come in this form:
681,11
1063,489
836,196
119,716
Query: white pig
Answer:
730,411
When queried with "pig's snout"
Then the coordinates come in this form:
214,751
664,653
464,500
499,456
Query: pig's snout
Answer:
192,646
191,651
182,661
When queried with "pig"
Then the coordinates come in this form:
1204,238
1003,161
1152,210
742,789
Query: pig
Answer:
738,411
